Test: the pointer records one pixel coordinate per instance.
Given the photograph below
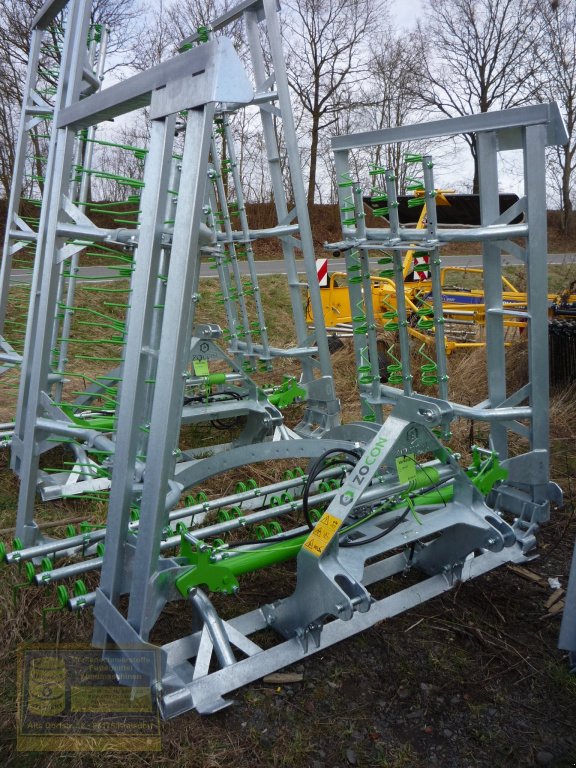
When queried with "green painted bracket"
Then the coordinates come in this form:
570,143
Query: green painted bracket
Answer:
486,474
222,575
287,393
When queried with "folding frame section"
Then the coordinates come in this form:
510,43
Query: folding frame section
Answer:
84,422
527,491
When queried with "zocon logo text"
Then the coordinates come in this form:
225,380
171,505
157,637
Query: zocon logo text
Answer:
370,459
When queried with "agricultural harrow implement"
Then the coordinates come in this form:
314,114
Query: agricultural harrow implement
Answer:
350,504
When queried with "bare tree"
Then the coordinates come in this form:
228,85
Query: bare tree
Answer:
477,55
390,97
157,41
15,24
328,48
557,58
187,16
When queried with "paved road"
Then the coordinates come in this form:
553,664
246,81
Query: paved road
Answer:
276,267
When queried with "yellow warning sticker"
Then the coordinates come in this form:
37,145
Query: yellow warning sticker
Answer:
325,530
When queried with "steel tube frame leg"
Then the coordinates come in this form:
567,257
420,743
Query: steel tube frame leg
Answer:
140,329
173,359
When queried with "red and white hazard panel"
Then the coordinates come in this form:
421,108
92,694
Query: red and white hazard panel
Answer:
421,266
322,272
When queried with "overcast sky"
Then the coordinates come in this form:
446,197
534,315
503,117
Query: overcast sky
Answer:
406,12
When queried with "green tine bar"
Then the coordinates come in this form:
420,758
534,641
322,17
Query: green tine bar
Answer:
435,274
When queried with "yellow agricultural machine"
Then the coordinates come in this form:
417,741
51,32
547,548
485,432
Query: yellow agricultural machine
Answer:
462,288
464,310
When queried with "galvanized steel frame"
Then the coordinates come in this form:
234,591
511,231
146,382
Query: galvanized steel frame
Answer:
528,490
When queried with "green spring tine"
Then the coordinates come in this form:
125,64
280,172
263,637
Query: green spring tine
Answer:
376,170
251,484
80,588
100,359
425,323
29,574
391,323
3,551
359,320
46,564
224,516
275,527
241,487
62,597
275,501
348,205
286,498
315,515
394,369
17,545
288,475
86,527
219,544
378,194
181,528
262,532
365,367
429,369
387,261
371,417
346,181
